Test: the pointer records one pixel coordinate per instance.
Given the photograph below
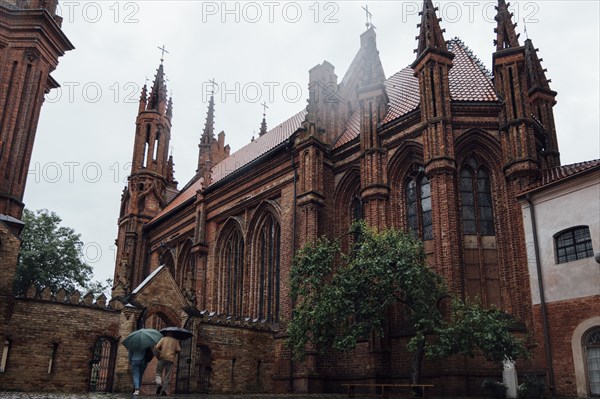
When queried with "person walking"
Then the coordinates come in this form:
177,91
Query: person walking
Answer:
166,351
138,360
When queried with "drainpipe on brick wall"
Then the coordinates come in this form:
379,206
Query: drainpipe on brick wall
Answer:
538,265
291,146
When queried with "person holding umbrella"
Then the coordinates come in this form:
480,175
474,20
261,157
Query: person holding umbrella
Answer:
139,344
167,348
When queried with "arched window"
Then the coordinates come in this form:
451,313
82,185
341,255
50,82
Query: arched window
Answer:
573,244
591,347
480,258
418,206
231,290
476,200
268,250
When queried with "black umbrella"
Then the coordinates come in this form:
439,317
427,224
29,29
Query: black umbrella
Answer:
177,332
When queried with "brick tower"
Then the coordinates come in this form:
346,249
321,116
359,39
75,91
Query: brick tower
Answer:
31,41
150,182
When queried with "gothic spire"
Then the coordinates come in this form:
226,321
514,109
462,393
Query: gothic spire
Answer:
209,127
371,68
263,125
158,95
506,35
143,99
430,34
536,75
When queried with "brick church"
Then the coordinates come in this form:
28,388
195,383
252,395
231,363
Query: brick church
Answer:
441,148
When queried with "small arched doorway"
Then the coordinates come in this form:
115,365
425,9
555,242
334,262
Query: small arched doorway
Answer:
591,348
184,363
203,367
103,365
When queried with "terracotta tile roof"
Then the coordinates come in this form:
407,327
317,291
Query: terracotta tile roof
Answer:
469,79
238,159
560,173
352,129
403,92
258,147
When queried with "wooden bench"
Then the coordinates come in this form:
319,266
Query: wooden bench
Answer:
385,388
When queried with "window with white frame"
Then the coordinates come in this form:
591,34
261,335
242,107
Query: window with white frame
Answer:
573,244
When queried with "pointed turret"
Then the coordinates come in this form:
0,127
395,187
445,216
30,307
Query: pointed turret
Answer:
171,182
371,69
431,36
153,127
150,179
211,150
263,126
432,67
542,99
158,96
373,103
521,150
209,125
143,99
536,75
506,35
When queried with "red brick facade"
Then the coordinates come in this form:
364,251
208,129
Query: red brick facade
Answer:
30,47
308,174
438,147
563,318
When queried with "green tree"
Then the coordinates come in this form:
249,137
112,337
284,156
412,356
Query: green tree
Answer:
51,255
471,329
341,298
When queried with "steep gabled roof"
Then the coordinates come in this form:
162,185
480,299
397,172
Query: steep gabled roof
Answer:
469,81
238,159
258,147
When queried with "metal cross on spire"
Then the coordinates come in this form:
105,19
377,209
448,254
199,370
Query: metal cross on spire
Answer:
163,51
369,17
212,86
265,107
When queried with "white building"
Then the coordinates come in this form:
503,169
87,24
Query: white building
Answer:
561,218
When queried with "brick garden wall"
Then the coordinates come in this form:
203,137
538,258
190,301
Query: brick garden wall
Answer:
36,327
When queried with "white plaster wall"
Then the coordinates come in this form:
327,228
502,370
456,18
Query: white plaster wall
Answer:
573,203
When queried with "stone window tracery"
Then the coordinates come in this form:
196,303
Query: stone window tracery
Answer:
480,257
418,206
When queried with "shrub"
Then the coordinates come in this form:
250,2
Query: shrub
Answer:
494,389
532,387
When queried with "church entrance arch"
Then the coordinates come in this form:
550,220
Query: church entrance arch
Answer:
103,365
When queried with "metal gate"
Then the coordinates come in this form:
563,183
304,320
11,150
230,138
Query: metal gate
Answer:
184,363
203,364
103,365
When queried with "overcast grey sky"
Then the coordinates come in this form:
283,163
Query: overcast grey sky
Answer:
256,51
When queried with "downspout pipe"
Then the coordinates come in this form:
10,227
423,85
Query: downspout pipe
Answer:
538,265
291,148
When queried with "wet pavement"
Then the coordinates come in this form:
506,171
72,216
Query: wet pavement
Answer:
31,395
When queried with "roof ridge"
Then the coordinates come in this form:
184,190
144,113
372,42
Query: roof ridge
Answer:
474,58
